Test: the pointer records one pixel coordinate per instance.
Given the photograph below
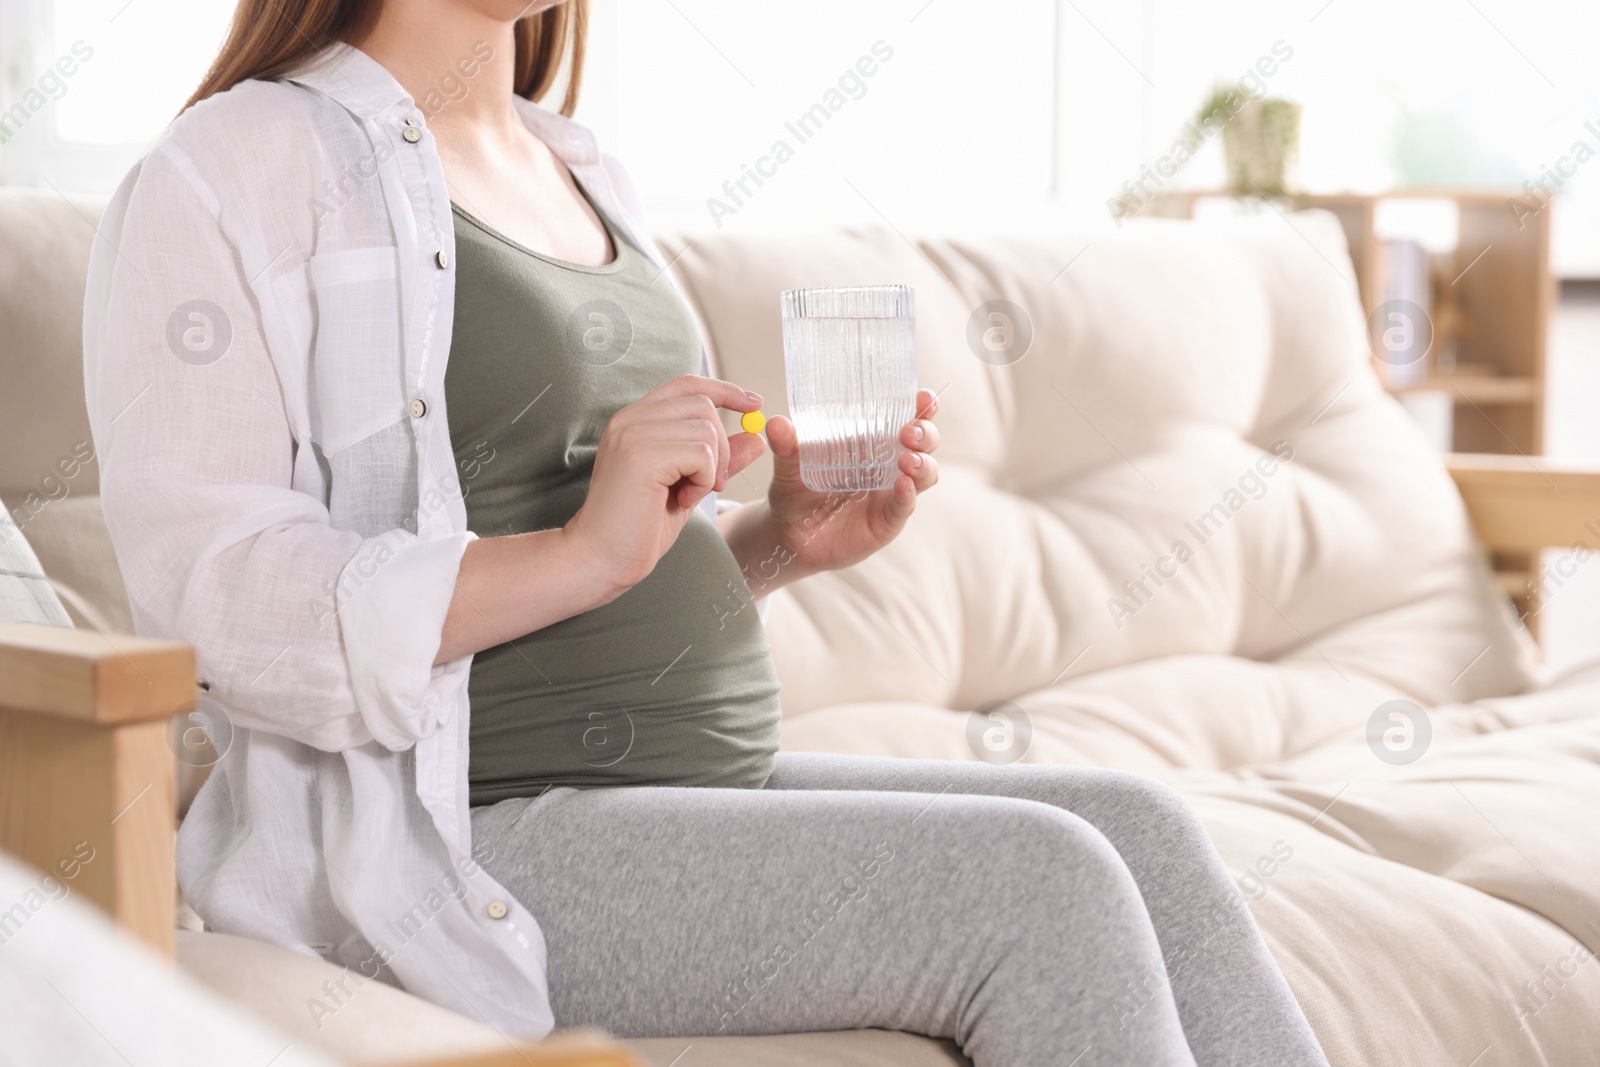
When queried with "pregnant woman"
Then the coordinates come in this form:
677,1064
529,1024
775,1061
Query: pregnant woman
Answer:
406,429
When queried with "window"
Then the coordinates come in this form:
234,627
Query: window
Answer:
90,83
933,114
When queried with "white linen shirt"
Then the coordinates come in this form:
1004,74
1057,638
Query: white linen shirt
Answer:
266,326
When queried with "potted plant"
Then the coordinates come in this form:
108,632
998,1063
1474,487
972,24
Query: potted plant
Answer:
1260,139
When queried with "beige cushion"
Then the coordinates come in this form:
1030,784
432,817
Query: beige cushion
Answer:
849,1048
49,473
1164,365
45,240
324,1007
70,538
26,595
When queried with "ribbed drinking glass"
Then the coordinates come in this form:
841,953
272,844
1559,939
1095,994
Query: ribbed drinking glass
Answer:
850,357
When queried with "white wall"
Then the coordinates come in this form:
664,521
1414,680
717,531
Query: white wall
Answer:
958,110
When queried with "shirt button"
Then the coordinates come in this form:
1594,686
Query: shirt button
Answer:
497,909
442,258
418,408
411,134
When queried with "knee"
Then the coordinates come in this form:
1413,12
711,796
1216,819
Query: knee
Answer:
1144,801
1037,846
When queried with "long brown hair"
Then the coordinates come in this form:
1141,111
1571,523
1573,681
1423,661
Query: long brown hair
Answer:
270,38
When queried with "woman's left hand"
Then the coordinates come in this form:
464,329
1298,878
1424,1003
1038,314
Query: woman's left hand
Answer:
826,531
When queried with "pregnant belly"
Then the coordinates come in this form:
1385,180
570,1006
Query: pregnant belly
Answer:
672,683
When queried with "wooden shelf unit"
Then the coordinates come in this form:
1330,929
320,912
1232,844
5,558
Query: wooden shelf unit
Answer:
1507,293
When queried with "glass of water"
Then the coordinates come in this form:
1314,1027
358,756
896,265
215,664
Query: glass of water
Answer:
850,358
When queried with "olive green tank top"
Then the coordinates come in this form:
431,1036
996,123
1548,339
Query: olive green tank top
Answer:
672,683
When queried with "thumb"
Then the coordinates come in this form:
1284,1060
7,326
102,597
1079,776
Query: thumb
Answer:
785,444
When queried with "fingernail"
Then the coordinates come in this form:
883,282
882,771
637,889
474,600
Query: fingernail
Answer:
754,398
916,459
918,433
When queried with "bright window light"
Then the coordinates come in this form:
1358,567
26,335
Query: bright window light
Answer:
148,57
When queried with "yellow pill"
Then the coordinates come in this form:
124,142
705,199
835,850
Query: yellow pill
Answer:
753,422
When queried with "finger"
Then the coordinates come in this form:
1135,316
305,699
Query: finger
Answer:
712,428
919,435
683,454
710,425
690,468
699,413
785,442
927,403
922,469
688,495
902,502
685,429
722,394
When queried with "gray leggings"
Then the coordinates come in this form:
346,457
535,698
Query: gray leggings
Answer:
1033,914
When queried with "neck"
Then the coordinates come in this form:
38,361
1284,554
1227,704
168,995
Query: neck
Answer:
456,61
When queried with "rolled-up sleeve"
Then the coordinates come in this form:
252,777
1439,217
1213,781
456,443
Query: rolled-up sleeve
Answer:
391,627
319,634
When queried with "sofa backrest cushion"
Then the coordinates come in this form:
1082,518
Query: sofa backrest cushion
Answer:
45,240
1170,369
49,474
1192,457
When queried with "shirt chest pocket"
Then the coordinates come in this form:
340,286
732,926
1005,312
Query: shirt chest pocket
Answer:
357,377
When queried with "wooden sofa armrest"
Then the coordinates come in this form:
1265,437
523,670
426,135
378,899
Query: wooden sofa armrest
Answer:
86,772
1526,503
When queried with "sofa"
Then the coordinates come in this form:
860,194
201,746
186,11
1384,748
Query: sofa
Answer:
1180,530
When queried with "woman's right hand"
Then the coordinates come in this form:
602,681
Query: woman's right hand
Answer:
657,460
